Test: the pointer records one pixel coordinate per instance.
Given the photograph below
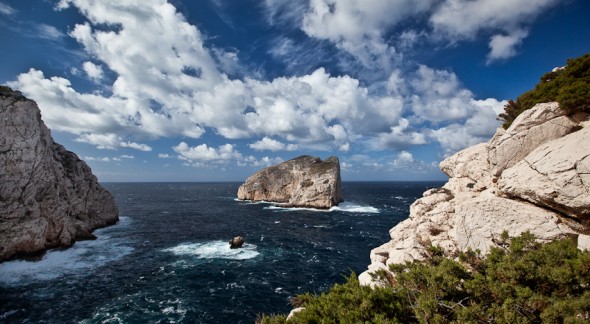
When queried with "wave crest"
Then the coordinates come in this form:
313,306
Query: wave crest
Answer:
214,250
346,207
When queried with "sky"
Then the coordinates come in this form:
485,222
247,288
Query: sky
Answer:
214,90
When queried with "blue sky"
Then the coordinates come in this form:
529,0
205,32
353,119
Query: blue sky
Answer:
213,90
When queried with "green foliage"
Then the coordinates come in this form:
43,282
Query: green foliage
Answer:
521,281
569,86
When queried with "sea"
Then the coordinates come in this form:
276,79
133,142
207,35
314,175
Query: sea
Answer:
168,258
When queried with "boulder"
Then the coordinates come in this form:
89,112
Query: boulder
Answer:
556,175
236,242
305,181
532,128
48,196
534,177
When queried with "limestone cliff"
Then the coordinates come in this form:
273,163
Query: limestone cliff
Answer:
534,176
305,181
48,196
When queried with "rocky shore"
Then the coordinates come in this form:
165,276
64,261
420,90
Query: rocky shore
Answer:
48,195
533,176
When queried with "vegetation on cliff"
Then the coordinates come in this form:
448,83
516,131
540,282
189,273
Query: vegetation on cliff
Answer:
570,86
520,281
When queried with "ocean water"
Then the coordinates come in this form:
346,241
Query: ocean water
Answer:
168,259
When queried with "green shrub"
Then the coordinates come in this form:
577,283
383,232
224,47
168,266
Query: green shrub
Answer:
521,281
569,86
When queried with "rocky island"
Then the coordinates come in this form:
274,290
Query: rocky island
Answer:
48,196
305,181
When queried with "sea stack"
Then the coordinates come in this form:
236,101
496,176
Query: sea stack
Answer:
48,196
305,181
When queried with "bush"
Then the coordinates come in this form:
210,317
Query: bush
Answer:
521,281
569,86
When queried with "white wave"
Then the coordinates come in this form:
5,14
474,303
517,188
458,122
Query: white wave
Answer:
350,207
80,259
256,202
215,250
347,207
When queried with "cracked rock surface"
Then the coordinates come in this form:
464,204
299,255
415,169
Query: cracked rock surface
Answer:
305,181
48,196
534,176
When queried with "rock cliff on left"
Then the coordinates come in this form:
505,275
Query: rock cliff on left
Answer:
48,196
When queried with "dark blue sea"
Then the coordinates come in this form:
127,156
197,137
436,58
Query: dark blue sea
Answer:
168,260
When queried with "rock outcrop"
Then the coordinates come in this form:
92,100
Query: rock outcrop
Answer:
48,196
305,181
534,176
236,242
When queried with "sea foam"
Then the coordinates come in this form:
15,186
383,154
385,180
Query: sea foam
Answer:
214,250
80,259
347,207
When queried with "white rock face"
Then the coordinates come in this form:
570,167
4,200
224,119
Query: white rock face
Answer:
305,181
48,196
532,177
555,175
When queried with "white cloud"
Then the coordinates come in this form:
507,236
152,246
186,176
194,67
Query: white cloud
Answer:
358,27
464,19
262,162
125,156
457,20
164,156
403,160
201,154
477,128
136,146
93,71
6,9
438,96
270,144
110,141
399,136
100,159
167,83
504,46
47,32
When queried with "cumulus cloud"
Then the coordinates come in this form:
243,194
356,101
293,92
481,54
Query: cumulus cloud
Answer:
358,27
270,144
476,129
111,141
136,146
400,136
100,159
168,83
202,154
464,19
403,159
457,20
504,46
93,71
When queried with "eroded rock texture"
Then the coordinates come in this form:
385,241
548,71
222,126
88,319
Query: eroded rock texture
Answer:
48,196
534,176
305,181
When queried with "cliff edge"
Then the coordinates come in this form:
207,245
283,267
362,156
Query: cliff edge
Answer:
48,196
305,181
534,176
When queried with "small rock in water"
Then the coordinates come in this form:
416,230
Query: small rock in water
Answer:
236,242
